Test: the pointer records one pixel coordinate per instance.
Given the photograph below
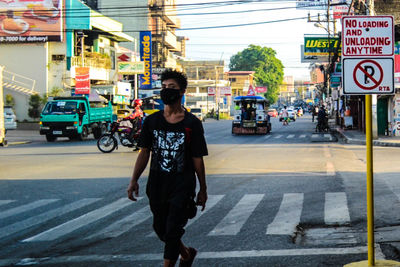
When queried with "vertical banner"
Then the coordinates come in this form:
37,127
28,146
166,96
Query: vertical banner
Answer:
145,56
82,81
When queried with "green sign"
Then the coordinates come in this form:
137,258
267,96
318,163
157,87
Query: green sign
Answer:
320,45
131,67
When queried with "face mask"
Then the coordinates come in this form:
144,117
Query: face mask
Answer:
170,96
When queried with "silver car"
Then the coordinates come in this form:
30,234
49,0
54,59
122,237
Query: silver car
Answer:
10,120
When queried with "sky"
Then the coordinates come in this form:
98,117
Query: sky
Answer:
276,24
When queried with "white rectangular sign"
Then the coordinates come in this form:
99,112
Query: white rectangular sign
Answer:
367,36
363,76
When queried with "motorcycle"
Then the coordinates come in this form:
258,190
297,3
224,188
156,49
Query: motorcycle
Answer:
121,130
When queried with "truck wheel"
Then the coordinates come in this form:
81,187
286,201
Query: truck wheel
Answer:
50,138
84,134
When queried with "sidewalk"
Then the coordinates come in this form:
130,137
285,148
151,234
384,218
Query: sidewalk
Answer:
19,137
358,137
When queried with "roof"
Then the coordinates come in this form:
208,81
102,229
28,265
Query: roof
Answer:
249,98
241,72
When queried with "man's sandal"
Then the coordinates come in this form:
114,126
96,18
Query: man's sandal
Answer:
188,262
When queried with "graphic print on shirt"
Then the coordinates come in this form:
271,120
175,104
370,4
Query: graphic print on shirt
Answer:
169,150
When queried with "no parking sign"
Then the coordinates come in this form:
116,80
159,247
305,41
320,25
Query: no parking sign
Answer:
368,76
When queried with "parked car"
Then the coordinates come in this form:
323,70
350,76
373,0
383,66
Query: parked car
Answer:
10,120
272,112
198,113
292,114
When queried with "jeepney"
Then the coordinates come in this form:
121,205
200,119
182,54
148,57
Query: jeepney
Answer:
250,115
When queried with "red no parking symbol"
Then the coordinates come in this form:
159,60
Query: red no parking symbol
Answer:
371,74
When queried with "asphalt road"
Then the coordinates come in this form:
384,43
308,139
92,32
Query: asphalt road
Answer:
289,198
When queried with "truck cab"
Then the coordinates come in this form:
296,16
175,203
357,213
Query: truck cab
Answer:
250,115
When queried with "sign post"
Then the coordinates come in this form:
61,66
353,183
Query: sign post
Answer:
368,68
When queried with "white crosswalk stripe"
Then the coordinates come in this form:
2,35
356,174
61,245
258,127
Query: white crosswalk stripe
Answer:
38,219
212,200
278,136
336,211
4,202
27,207
288,215
290,136
302,136
125,224
284,223
235,219
79,222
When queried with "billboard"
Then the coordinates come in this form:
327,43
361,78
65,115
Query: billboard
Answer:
321,45
145,56
31,21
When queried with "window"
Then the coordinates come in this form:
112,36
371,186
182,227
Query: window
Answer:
112,55
232,80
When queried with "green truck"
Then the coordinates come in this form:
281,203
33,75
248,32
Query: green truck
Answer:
75,118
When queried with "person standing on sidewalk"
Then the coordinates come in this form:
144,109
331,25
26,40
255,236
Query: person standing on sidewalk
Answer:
175,140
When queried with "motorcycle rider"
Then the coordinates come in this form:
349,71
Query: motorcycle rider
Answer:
322,119
135,118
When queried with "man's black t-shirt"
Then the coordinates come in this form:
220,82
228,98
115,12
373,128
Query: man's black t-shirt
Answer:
173,146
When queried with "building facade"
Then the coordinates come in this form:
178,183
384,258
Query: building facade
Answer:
48,62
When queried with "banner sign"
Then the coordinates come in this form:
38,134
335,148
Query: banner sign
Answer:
131,67
31,21
145,56
320,45
124,89
368,36
261,89
222,91
211,91
82,81
312,4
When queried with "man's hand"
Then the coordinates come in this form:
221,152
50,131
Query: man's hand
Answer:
201,199
133,187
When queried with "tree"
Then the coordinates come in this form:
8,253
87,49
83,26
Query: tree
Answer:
34,106
10,101
268,69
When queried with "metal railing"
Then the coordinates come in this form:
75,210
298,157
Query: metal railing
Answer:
19,83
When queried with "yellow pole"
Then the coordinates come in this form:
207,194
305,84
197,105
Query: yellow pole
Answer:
370,181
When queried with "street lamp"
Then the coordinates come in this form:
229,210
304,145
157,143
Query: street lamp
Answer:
319,25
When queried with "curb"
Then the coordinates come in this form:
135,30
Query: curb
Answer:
349,140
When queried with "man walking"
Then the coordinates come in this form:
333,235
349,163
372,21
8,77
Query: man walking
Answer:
175,140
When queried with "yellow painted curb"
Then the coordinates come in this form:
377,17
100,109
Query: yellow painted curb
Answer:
379,263
18,143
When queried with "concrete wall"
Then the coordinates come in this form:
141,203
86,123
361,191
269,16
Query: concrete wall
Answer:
388,7
56,69
29,60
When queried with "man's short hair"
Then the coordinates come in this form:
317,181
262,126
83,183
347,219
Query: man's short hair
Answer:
178,76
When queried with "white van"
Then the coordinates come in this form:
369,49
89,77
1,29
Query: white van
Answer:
10,120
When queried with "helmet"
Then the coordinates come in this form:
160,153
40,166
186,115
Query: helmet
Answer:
137,102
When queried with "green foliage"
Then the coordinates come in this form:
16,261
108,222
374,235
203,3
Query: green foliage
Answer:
35,106
268,69
10,101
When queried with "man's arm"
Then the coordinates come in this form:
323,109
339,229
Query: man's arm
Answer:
140,165
201,176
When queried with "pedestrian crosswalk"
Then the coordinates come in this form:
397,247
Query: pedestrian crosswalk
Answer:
302,136
131,215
